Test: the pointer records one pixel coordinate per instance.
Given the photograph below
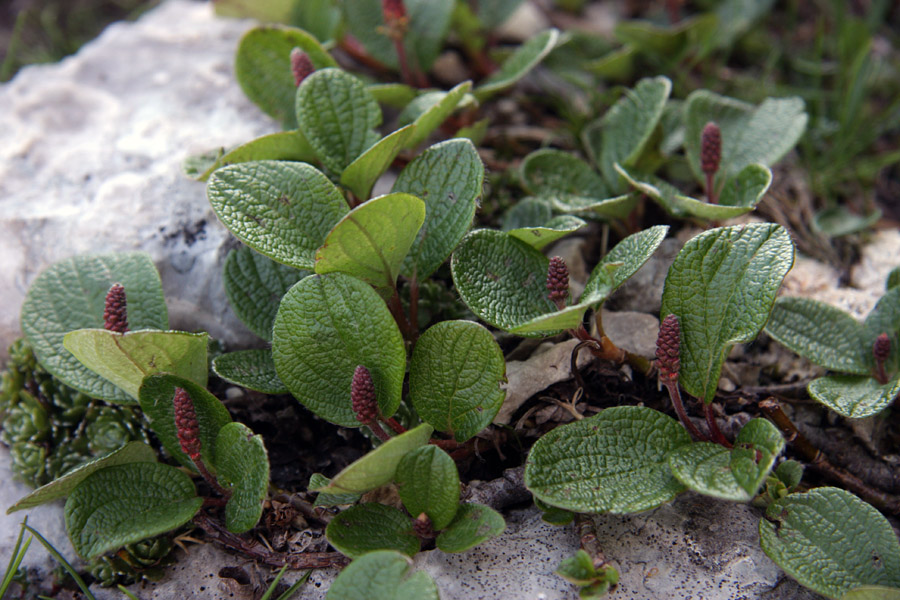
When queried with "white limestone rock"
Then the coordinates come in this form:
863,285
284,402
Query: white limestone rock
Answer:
91,151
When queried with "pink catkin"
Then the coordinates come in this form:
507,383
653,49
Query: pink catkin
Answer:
362,395
115,312
668,348
186,424
710,148
881,349
394,11
301,65
557,281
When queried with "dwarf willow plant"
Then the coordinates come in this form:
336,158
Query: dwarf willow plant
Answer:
864,354
96,336
728,145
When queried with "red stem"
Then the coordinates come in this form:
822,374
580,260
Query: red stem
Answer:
675,395
714,430
710,189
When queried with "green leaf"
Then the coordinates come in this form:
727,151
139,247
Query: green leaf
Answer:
736,474
71,295
449,177
319,481
563,176
252,369
263,67
242,465
382,575
528,212
378,466
824,334
614,462
254,285
721,287
125,359
156,397
395,95
371,526
554,515
59,488
628,125
429,21
503,281
854,396
338,116
622,262
284,145
554,229
372,240
739,195
872,592
455,376
362,173
839,221
761,134
473,524
618,207
127,503
577,569
428,482
281,209
524,59
327,325
893,279
428,111
831,541
493,13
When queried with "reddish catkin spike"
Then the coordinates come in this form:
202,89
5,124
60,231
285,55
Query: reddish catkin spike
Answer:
668,347
301,65
710,148
558,282
115,314
423,528
394,12
362,395
186,424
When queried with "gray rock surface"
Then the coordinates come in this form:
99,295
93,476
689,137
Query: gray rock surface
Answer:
91,151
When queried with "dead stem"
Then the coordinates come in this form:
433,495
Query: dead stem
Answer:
819,462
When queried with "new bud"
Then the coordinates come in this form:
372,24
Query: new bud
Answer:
558,281
882,348
362,395
115,314
710,148
186,424
301,65
394,12
668,348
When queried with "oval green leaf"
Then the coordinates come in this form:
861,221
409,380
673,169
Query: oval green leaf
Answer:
614,462
263,67
254,286
156,395
455,376
362,173
60,488
281,209
379,466
125,359
554,229
750,134
338,116
524,59
382,575
252,369
721,287
854,396
242,466
562,175
327,325
369,527
449,177
284,145
824,334
428,111
372,240
622,262
473,524
873,592
428,482
127,503
71,294
831,541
